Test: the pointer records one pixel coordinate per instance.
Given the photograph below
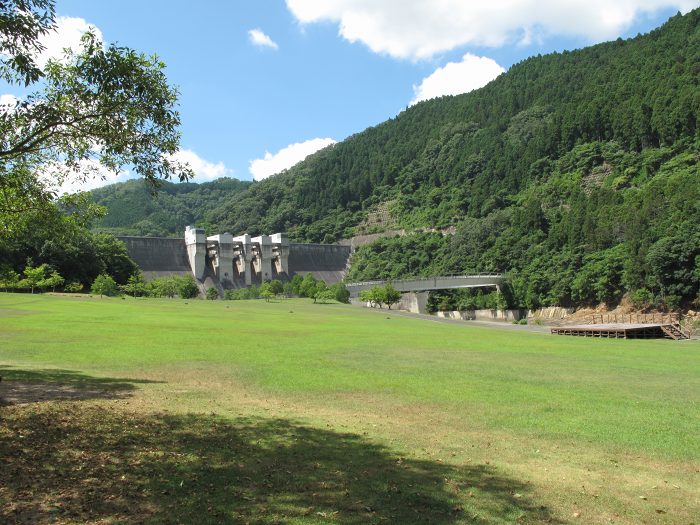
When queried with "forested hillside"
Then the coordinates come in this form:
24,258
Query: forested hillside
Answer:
576,173
132,209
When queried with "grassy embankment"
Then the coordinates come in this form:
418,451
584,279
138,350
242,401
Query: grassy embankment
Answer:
292,412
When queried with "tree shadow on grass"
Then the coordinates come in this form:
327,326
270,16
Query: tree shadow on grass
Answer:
19,386
72,462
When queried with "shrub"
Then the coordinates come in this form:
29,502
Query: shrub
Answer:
33,276
266,292
341,293
187,287
672,301
54,280
252,292
104,285
212,294
73,287
9,279
641,299
163,287
135,285
276,287
308,286
324,296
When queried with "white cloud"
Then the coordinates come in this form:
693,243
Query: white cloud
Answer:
203,169
56,177
455,78
286,157
93,174
7,102
102,177
258,38
420,29
8,99
67,34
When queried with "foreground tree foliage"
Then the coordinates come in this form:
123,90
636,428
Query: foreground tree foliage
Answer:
99,108
22,22
93,109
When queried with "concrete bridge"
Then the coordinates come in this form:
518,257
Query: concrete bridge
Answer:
415,290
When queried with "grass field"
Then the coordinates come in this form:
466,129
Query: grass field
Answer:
170,411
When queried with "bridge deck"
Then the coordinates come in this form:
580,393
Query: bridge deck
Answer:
424,284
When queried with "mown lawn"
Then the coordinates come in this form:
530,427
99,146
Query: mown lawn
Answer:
291,412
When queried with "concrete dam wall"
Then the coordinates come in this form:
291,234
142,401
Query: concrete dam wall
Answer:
160,257
327,262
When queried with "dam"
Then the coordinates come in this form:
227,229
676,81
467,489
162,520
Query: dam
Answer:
226,262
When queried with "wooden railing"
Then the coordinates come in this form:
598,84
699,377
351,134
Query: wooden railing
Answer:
636,318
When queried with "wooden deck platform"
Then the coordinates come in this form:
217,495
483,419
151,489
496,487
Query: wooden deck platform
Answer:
624,330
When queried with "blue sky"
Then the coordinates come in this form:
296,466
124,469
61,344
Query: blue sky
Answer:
332,68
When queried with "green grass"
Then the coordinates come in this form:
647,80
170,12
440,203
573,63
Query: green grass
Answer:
444,395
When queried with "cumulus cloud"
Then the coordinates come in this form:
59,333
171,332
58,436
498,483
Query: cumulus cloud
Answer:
7,102
286,157
88,175
420,29
455,78
67,34
101,177
258,38
203,169
92,174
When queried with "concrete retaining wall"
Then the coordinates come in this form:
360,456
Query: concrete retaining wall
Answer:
485,315
551,312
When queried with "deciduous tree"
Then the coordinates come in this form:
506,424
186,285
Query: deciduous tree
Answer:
101,107
104,285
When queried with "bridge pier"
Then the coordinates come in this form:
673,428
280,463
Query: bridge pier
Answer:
414,302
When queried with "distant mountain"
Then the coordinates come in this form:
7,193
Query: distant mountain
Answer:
133,210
